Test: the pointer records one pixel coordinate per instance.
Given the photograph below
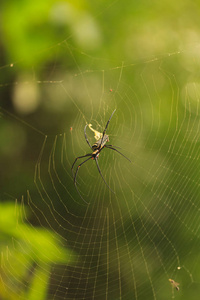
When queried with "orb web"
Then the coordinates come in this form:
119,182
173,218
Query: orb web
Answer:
124,244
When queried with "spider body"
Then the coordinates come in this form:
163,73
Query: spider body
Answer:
96,149
100,143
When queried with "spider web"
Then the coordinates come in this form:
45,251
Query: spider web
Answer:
125,244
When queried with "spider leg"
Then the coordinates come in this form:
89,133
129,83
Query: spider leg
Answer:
107,124
77,159
80,166
102,175
111,147
77,173
86,138
80,194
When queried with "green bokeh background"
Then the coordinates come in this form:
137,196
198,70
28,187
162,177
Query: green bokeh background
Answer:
63,56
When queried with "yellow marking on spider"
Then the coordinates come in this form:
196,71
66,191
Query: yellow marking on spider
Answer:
174,284
97,135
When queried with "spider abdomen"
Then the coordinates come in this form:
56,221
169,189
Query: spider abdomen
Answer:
100,143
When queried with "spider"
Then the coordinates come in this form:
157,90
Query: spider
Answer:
96,149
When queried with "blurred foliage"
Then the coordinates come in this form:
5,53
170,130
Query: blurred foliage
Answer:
27,254
30,29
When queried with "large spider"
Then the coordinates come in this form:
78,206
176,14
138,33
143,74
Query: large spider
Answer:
96,149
